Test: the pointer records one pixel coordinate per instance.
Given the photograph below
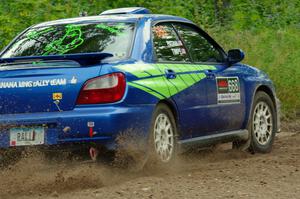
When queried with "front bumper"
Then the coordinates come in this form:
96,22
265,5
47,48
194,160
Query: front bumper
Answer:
74,126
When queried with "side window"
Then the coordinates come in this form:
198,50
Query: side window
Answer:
199,48
167,45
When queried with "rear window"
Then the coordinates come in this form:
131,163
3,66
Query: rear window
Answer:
108,37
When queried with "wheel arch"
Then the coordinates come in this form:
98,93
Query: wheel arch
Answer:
268,90
172,107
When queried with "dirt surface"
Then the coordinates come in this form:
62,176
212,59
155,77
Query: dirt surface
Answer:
222,173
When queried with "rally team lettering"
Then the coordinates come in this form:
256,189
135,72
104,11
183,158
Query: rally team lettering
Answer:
31,84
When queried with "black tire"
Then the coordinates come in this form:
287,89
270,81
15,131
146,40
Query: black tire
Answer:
153,156
254,144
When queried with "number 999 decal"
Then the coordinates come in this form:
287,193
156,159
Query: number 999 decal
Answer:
228,89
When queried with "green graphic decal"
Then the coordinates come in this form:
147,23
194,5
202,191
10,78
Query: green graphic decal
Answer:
152,77
159,96
147,70
71,40
36,34
112,29
157,84
140,70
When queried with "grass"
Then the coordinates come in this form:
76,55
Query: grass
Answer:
277,52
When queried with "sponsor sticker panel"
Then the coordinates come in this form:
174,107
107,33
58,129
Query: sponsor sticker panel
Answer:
228,89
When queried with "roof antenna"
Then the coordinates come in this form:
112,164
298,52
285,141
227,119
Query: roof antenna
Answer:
83,14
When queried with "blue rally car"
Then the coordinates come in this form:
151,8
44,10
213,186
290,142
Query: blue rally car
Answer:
83,81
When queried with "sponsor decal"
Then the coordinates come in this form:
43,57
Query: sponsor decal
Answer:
57,96
228,89
160,31
73,80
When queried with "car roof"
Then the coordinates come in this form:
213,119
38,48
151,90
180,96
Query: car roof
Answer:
114,18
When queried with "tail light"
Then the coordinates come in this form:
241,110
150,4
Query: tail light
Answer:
104,89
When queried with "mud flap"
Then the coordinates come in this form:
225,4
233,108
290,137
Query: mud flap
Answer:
278,114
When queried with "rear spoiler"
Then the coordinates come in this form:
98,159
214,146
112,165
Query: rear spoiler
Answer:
82,59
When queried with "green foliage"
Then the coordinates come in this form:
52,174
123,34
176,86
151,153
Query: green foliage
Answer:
16,15
265,13
267,30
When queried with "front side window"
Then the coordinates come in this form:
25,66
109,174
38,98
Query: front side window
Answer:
108,37
167,45
199,48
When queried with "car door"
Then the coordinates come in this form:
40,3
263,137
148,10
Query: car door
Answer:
185,80
225,108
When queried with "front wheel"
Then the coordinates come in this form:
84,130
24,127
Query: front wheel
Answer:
163,137
262,125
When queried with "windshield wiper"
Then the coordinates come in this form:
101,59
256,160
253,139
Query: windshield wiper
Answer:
82,59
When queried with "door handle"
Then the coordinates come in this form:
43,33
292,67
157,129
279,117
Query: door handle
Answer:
210,74
170,74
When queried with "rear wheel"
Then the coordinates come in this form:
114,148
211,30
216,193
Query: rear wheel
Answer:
163,137
262,126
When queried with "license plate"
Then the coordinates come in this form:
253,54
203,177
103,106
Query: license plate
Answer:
27,136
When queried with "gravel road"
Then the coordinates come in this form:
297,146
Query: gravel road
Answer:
222,173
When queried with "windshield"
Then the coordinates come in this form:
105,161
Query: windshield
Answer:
108,37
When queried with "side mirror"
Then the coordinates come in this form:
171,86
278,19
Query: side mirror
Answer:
235,56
